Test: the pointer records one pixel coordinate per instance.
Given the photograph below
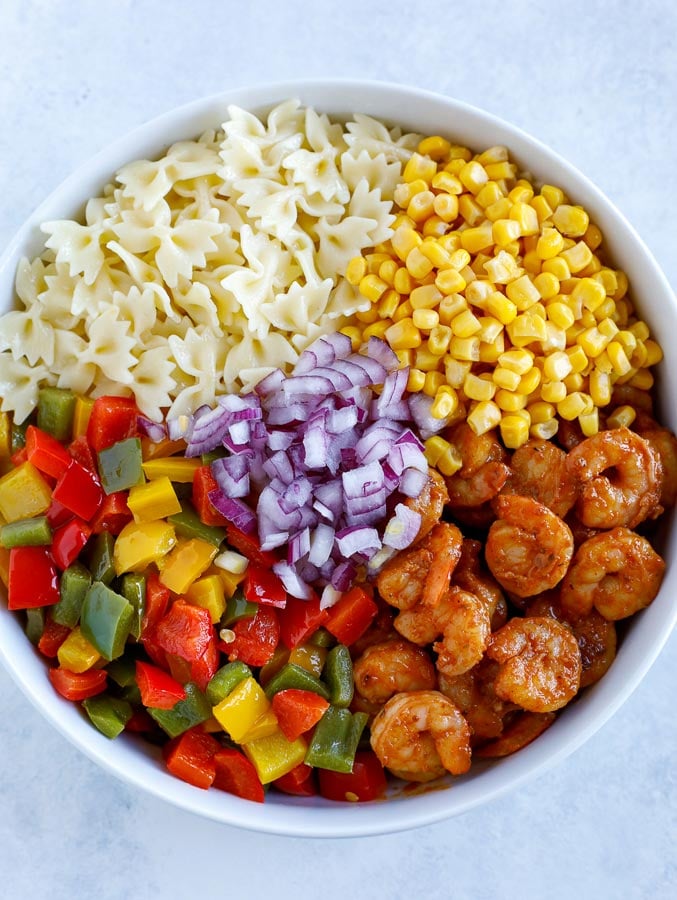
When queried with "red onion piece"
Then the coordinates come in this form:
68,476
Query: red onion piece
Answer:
234,510
402,529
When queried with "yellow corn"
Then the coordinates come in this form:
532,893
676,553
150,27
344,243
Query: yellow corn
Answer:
544,430
419,166
434,447
572,221
416,380
356,270
478,238
523,292
473,175
433,381
589,423
619,360
421,206
553,195
403,311
403,335
621,417
484,416
553,391
438,339
445,404
426,296
514,431
526,216
542,207
435,147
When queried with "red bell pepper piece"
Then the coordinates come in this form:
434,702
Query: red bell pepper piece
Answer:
300,782
79,490
255,638
191,757
299,619
45,452
367,781
58,514
158,689
203,670
68,541
297,711
264,587
113,419
80,450
78,685
33,579
178,667
141,723
18,457
236,775
157,603
186,630
249,546
113,514
52,637
350,617
203,483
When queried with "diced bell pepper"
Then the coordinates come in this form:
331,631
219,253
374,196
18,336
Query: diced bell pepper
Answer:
33,579
185,563
236,775
186,714
34,532
241,708
335,740
139,545
190,757
154,500
112,419
189,525
75,582
24,493
56,408
106,620
225,680
177,469
76,653
293,676
207,592
69,541
338,673
79,490
74,686
274,756
108,714
45,452
120,465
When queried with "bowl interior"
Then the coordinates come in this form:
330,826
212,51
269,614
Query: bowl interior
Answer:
428,113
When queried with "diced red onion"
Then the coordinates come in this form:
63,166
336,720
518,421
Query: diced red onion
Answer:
379,350
376,373
306,387
299,546
412,482
402,529
363,480
231,478
343,575
420,405
330,596
293,583
234,510
156,431
296,495
357,539
279,466
321,544
271,383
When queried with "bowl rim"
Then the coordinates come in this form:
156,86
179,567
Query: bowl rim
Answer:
293,816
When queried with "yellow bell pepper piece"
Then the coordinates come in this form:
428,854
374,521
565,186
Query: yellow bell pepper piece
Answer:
4,566
208,593
274,756
184,565
242,708
5,436
76,653
309,657
83,410
264,726
154,500
176,468
212,725
138,545
24,493
230,581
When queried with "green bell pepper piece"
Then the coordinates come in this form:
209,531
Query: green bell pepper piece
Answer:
56,408
19,435
188,524
35,623
208,458
322,638
335,740
293,676
106,620
122,671
108,714
225,680
237,607
133,589
120,465
338,673
185,714
99,557
33,532
75,582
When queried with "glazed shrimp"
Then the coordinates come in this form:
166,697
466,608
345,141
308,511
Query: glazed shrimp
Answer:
618,572
539,470
471,575
619,476
391,667
484,470
429,503
462,623
420,736
539,663
528,547
473,692
422,572
664,444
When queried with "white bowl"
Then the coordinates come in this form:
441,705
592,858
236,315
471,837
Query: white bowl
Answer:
136,762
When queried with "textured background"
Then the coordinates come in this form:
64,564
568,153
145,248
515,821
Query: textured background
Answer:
600,87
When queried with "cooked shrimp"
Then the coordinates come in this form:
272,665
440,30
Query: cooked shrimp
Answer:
539,663
422,572
462,622
521,732
569,434
528,547
429,503
539,470
421,735
596,635
471,575
618,572
391,667
664,443
484,470
627,395
619,476
473,692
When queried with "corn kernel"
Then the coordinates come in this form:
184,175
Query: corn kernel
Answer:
473,175
426,296
530,381
436,147
403,311
489,194
388,303
592,341
558,267
402,281
553,195
465,348
438,339
446,207
455,371
577,257
573,382
621,417
590,292
425,319
540,411
504,231
437,255
553,391
470,209
484,416
519,361
368,316
419,166
404,240
490,329
434,226
618,357
356,270
405,358
415,381
509,401
572,221
403,335
607,278
556,366
372,287
526,216
498,153
521,193
609,329
499,170
505,378
501,307
499,210
544,430
643,380
478,238
523,292
386,271
465,324
514,431
377,329
450,461
417,264
450,281
476,388
600,387
421,206
571,407
547,285
450,306
447,183
542,207
433,449
433,382
446,403
425,360
578,358
526,328
375,261
589,423
489,353
559,313
654,352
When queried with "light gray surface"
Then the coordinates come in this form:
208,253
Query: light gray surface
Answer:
601,88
